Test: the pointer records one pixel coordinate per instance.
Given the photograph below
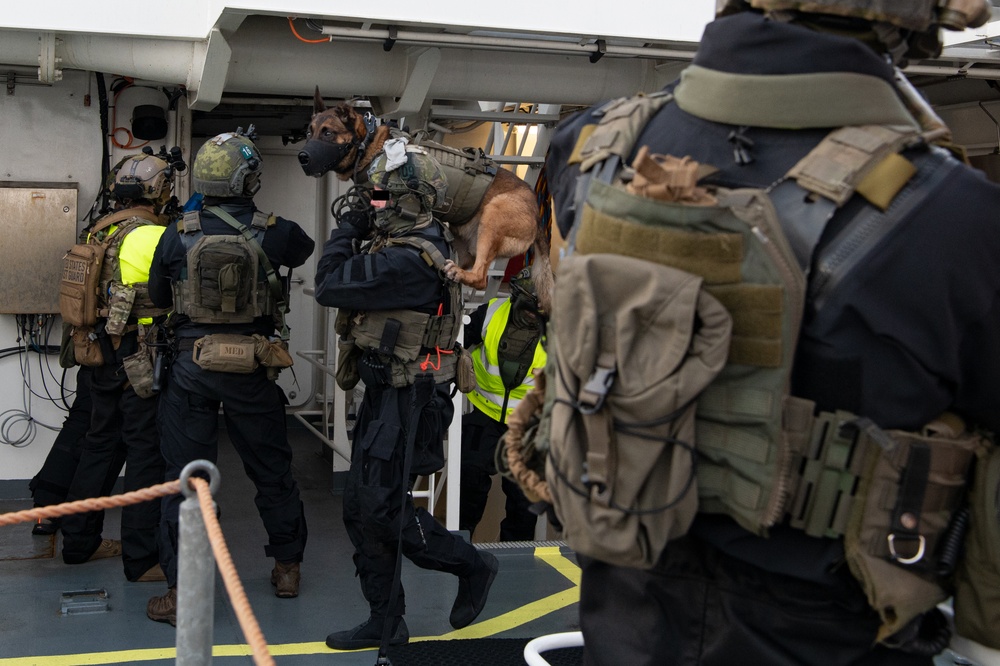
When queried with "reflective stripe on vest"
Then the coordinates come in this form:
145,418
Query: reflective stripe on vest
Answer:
488,396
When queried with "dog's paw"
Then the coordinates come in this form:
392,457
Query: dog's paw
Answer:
452,271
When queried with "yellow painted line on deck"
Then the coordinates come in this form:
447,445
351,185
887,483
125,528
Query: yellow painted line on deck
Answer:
495,625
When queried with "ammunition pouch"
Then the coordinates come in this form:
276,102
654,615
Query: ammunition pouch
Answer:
224,352
139,370
376,369
977,580
465,371
398,338
900,491
127,304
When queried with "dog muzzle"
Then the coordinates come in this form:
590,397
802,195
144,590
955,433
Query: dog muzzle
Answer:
318,157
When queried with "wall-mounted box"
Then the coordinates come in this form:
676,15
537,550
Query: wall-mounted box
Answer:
37,226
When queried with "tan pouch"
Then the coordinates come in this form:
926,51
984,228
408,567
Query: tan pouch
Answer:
272,353
977,580
896,570
348,355
225,352
86,349
465,373
139,370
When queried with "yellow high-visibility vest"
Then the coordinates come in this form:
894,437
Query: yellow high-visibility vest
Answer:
488,396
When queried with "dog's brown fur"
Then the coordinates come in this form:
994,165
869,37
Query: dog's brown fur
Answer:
505,224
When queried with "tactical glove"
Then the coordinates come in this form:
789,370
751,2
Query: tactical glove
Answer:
358,221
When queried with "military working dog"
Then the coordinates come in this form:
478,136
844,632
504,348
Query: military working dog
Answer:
503,223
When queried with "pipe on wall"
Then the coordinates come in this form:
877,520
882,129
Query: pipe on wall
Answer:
267,59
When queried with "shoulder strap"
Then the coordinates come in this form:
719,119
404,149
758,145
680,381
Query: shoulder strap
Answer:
428,251
863,159
120,215
272,275
608,144
190,223
433,257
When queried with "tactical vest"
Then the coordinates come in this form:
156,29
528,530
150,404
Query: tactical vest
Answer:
763,457
228,278
504,362
410,342
469,172
92,274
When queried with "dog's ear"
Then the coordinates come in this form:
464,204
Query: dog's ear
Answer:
345,112
318,105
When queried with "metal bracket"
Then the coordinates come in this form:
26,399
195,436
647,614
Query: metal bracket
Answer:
390,41
602,48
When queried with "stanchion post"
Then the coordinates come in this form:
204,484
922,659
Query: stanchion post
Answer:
195,574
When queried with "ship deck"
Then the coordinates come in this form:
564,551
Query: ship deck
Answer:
535,592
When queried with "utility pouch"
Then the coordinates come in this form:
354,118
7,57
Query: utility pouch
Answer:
86,347
348,354
273,355
224,352
465,373
67,358
139,370
634,344
901,522
977,581
119,308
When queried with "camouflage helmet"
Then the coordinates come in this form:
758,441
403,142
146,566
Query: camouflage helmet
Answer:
141,178
420,174
228,165
915,15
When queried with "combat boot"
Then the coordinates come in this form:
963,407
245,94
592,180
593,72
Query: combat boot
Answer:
368,634
473,590
154,574
163,609
108,548
285,577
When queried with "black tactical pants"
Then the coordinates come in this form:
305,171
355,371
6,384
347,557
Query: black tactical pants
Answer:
480,435
254,414
698,606
51,484
121,423
374,494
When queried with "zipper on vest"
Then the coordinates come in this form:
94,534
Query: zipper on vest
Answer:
776,247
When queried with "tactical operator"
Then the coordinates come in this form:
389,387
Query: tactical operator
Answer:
504,339
123,411
383,272
907,334
51,484
218,269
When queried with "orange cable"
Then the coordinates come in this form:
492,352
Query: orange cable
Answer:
303,39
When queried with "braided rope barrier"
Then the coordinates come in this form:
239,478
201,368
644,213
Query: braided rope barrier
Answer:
237,595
